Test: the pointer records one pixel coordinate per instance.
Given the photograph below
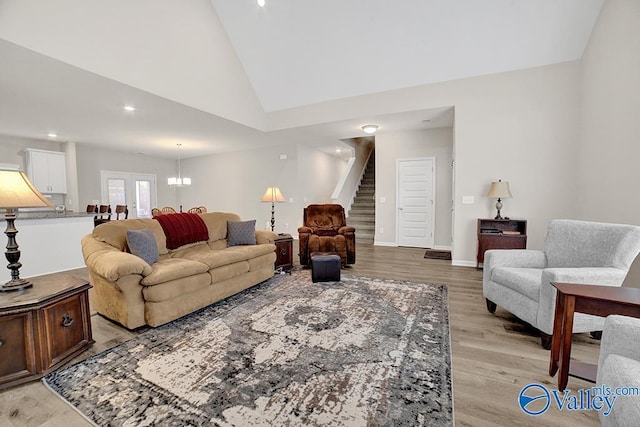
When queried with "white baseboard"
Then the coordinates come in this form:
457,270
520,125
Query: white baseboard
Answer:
441,248
391,244
463,263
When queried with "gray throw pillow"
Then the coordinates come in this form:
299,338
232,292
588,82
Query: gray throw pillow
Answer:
142,243
241,233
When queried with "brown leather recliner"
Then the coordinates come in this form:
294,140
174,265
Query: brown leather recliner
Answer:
325,230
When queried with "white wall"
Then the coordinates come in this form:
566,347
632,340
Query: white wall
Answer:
520,126
235,182
392,146
91,160
608,172
181,53
12,148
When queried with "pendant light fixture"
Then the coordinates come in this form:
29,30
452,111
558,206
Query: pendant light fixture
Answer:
179,181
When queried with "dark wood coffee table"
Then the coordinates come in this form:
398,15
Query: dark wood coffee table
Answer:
589,299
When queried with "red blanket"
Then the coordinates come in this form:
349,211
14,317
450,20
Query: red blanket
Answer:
182,229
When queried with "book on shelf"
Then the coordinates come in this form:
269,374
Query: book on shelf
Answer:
511,232
489,231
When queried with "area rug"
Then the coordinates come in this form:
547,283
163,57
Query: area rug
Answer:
360,352
437,254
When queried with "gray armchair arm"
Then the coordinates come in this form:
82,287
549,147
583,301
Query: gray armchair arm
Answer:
511,258
525,258
621,336
619,366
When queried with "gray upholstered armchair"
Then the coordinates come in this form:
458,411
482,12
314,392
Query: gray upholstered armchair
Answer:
619,366
574,252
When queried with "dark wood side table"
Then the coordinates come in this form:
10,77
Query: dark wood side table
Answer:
284,253
500,234
589,299
43,327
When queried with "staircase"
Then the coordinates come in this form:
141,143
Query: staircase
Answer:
362,215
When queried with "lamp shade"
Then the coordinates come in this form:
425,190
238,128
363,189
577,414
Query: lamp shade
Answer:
16,191
499,190
273,194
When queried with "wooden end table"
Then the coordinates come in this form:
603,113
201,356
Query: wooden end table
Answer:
588,299
284,253
43,327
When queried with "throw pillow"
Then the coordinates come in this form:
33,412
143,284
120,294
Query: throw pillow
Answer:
241,233
142,243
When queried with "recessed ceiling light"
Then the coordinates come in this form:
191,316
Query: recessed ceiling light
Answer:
52,135
370,128
129,108
338,150
261,3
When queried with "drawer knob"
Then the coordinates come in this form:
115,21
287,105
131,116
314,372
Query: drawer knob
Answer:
283,251
67,320
1,343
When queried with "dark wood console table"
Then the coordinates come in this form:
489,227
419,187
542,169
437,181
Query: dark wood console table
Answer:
284,253
589,299
500,234
43,327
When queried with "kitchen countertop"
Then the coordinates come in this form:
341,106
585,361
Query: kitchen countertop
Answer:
50,215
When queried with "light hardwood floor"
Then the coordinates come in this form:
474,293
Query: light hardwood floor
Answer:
494,356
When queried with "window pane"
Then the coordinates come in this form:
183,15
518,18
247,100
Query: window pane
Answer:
117,192
143,199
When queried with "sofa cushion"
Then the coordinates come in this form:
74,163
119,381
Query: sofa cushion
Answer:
182,229
241,233
176,288
217,223
115,232
225,272
213,259
522,280
250,252
171,269
143,244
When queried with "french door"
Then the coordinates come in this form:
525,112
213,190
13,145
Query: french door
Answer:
416,207
137,191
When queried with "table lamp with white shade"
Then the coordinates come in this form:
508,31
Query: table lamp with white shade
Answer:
16,191
499,190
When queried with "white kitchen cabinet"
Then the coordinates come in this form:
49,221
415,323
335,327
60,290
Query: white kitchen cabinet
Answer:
47,170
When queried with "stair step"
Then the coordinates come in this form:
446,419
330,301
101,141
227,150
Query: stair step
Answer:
369,216
358,213
362,215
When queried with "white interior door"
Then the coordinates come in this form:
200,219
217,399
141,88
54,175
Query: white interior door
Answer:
137,191
416,204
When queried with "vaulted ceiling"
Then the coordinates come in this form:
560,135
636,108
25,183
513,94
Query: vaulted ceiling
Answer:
69,66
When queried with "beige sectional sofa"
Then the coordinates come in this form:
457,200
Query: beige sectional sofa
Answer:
134,293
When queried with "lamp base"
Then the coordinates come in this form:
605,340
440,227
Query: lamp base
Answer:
15,285
498,207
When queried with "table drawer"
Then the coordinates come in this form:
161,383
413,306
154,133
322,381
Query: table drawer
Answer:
67,329
16,347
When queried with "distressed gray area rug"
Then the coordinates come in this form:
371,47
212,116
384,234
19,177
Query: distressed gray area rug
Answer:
361,352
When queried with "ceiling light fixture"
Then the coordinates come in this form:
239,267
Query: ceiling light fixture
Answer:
370,129
129,108
261,3
52,135
179,181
